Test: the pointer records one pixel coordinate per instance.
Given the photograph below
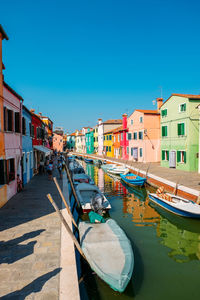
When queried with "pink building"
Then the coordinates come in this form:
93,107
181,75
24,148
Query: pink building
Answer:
57,142
12,103
144,134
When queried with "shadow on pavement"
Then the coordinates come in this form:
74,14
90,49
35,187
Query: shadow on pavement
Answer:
11,251
31,203
33,287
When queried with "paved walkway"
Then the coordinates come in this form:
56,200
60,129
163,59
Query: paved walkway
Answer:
30,241
187,179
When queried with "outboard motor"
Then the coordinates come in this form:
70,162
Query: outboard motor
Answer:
97,203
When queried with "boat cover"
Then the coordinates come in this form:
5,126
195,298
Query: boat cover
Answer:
108,251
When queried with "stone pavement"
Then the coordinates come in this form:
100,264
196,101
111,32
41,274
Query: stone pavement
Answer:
30,243
188,179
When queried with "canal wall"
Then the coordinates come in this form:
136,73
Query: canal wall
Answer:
187,184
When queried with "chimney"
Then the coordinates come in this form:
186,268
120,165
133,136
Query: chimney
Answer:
124,121
32,110
159,103
100,121
40,114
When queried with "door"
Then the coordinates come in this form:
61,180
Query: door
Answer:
172,159
28,166
135,153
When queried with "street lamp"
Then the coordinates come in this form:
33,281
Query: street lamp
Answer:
198,106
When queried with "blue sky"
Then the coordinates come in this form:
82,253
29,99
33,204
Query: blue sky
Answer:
79,60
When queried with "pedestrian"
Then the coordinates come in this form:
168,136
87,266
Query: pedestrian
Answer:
50,170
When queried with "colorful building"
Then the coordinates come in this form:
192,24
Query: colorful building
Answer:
144,134
105,127
108,143
3,175
27,147
71,141
78,141
57,142
48,131
12,103
116,142
124,142
180,132
89,137
96,139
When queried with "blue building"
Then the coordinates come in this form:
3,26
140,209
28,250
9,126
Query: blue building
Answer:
27,146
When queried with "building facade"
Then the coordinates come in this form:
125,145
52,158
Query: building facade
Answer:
96,139
71,141
89,136
116,142
3,177
57,142
180,132
108,143
48,131
27,146
12,137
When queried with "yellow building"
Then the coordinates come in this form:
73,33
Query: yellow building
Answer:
96,139
108,143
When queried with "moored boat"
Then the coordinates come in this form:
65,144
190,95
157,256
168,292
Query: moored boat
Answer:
91,198
88,160
118,170
108,251
133,179
97,162
79,178
176,205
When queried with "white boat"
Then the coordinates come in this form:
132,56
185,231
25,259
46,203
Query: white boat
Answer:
108,251
87,194
118,170
177,205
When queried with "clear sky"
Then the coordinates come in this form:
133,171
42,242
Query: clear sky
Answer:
79,60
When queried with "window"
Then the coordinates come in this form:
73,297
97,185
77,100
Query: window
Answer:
106,148
182,107
181,129
164,113
110,137
109,148
164,131
181,156
3,176
140,152
129,136
131,151
135,135
9,120
23,126
141,119
17,122
127,150
140,135
122,136
32,130
165,155
11,169
131,122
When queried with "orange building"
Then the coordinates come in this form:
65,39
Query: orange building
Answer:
3,186
116,142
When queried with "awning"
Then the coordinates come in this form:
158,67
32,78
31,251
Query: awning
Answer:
43,149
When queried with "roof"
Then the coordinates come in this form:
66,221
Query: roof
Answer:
120,128
26,109
12,91
116,121
150,112
108,131
3,33
189,96
43,117
73,134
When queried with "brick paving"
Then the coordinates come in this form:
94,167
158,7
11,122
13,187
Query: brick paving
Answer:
30,243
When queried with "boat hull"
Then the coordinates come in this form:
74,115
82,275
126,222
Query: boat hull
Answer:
139,181
108,252
172,209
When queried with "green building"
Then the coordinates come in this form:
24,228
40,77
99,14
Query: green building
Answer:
180,132
89,140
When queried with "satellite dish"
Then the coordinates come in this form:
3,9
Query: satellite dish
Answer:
154,102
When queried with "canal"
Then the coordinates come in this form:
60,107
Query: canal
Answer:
166,247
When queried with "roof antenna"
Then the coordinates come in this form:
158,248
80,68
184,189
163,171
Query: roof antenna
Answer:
161,92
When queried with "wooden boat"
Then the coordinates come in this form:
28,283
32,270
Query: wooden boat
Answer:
88,160
108,251
176,205
133,179
79,178
108,167
86,192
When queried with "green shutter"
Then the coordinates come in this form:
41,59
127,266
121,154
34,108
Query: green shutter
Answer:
163,155
182,129
163,131
184,155
179,129
178,156
167,155
184,107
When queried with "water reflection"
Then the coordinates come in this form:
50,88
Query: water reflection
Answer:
180,235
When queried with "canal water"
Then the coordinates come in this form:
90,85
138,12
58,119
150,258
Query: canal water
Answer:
166,247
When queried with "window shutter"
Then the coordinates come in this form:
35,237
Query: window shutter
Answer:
163,131
178,156
183,129
184,156
167,155
179,129
163,155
